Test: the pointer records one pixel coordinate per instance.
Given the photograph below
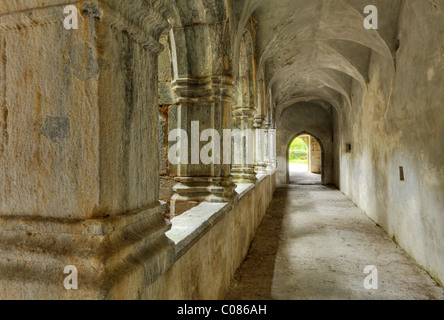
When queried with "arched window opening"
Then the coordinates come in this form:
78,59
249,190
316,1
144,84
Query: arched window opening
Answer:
166,100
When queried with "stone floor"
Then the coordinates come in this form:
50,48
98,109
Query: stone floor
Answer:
299,175
314,243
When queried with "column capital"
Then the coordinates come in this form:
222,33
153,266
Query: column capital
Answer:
243,112
144,20
208,89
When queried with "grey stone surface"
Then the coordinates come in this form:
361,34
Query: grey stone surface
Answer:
79,183
82,144
385,86
300,177
314,243
220,235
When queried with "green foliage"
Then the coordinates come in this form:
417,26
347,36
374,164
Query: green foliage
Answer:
298,144
298,151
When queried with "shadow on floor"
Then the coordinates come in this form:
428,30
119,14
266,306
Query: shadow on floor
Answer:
254,278
314,244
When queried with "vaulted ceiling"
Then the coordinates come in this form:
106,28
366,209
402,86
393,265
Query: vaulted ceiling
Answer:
315,50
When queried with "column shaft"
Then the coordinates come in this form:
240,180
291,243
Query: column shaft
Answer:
204,104
259,126
79,157
243,146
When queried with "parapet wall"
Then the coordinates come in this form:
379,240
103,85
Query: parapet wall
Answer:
212,240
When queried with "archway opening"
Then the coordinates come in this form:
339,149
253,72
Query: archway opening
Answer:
166,100
305,161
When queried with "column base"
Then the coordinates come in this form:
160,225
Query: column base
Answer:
271,167
189,192
116,257
166,193
260,169
244,175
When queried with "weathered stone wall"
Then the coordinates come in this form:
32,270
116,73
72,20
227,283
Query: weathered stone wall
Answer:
79,178
315,161
402,127
206,270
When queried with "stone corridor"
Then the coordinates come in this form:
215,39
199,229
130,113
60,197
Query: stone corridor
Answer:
314,243
141,143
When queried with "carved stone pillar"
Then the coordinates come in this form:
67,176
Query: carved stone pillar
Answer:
243,146
203,84
267,146
79,150
204,103
272,149
259,126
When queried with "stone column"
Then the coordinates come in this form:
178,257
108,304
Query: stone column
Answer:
79,150
259,126
203,84
267,146
272,149
202,104
243,146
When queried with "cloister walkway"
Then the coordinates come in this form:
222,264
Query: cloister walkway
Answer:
299,175
314,243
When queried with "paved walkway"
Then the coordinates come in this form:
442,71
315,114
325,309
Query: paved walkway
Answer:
314,243
299,175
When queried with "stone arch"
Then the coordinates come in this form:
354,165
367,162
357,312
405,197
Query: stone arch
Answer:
305,118
323,170
314,62
328,103
166,101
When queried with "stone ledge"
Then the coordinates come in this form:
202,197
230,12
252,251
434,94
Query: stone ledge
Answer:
260,177
243,189
192,225
90,227
212,245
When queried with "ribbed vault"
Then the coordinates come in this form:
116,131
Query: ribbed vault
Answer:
315,50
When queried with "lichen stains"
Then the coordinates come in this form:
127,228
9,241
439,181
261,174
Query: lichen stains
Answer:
90,10
57,129
84,62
